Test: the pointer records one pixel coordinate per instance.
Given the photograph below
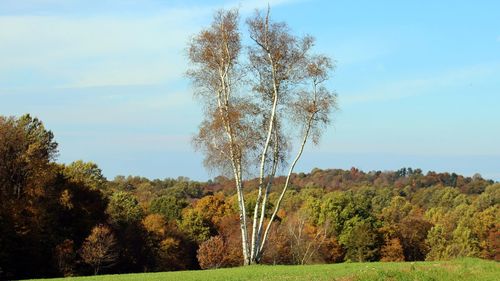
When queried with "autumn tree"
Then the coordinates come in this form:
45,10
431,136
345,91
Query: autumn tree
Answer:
197,227
27,151
360,238
214,207
87,173
169,250
413,232
99,249
168,206
124,209
305,239
279,246
436,239
65,257
44,212
255,111
211,253
228,230
392,251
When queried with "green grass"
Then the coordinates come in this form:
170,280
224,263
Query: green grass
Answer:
463,269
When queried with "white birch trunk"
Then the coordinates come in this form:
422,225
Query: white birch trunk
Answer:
287,182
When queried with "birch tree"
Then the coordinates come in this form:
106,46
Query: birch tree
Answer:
258,101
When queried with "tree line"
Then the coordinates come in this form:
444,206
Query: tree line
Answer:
68,219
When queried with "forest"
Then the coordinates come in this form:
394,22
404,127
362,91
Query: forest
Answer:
69,220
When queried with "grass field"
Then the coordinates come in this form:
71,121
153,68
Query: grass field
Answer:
464,269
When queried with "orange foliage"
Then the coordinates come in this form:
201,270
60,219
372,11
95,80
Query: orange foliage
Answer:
99,249
155,223
277,250
229,229
392,251
492,245
214,207
65,257
211,253
332,251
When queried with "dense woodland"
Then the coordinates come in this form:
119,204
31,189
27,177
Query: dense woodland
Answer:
63,220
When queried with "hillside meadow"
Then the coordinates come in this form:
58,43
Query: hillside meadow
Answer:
462,269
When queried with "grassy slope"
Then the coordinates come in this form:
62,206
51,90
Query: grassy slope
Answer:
465,269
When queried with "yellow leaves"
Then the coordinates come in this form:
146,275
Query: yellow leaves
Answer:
99,248
281,213
169,245
155,223
214,207
66,199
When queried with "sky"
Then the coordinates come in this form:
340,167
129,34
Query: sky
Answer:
418,82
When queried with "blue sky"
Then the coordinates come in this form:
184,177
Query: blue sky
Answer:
418,81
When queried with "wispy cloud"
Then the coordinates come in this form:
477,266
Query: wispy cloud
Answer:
99,49
94,51
102,69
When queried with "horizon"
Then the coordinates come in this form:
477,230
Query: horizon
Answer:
417,84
